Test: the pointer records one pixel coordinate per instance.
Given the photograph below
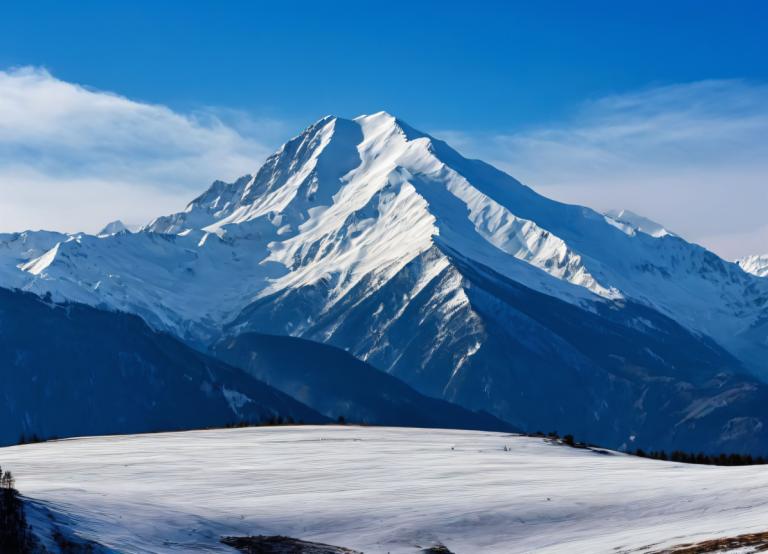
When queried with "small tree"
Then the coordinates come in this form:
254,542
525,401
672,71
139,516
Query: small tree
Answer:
6,480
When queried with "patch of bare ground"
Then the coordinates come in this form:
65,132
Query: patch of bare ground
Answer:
276,544
747,543
437,549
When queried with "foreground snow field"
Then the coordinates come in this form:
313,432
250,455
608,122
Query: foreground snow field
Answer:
379,490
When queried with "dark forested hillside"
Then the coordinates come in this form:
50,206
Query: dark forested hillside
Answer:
75,370
337,384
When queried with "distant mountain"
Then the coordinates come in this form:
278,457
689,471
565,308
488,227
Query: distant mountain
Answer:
17,249
757,265
336,383
630,221
371,236
114,227
71,370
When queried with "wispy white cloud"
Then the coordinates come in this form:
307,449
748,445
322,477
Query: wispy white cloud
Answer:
71,158
692,156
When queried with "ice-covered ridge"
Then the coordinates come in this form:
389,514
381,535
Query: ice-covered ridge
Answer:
156,276
379,490
630,222
399,197
756,265
17,249
350,197
114,227
38,265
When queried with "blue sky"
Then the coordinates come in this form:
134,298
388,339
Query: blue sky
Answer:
539,88
470,65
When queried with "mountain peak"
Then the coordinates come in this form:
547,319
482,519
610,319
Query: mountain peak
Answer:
305,172
114,227
377,118
756,265
636,222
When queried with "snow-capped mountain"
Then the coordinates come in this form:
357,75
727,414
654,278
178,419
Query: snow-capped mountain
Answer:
377,238
757,265
628,220
114,227
17,249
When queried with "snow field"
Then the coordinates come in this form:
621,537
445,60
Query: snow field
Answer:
379,490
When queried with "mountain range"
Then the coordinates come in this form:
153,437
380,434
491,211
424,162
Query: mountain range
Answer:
443,273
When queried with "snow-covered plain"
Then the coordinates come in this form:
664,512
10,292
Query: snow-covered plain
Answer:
380,490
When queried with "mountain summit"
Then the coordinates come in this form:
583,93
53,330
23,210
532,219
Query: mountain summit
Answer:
757,264
448,273
114,227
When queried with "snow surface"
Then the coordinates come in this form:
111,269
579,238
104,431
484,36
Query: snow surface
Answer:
630,222
757,265
379,490
18,249
114,227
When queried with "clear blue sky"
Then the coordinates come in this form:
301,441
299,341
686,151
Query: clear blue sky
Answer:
469,65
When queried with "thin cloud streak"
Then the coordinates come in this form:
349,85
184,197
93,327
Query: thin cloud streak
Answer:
693,157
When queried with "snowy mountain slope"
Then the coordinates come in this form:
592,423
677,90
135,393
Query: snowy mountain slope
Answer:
114,227
70,370
630,222
187,284
371,221
619,377
757,265
380,490
17,249
336,383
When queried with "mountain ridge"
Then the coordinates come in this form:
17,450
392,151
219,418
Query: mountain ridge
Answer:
369,220
756,264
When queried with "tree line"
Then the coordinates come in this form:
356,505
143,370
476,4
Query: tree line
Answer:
721,459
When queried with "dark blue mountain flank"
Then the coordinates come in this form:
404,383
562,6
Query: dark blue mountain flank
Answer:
337,384
71,370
